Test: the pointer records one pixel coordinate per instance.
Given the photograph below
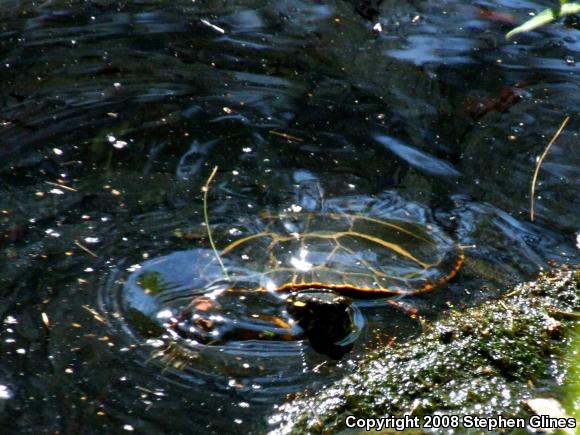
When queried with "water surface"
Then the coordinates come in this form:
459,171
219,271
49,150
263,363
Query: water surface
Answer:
114,114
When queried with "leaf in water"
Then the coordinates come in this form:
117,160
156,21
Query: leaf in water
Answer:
546,17
416,158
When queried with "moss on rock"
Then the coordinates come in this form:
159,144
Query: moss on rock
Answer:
482,361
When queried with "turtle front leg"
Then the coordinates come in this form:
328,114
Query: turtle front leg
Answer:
406,307
412,310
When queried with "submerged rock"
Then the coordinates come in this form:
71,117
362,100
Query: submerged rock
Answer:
484,361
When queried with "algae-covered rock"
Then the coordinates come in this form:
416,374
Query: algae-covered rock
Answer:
572,383
484,361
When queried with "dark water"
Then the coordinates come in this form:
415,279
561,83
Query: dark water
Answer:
436,121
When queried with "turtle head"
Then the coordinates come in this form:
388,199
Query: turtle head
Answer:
328,319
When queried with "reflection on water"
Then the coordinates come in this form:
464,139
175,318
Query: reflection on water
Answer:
113,114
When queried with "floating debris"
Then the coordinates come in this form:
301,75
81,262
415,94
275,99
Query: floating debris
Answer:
285,135
95,314
70,189
213,26
84,248
45,319
539,164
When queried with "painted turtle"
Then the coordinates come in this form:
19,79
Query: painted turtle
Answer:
322,257
349,254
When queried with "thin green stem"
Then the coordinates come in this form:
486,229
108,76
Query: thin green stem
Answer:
206,219
539,163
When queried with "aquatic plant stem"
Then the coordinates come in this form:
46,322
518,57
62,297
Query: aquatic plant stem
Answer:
539,163
205,190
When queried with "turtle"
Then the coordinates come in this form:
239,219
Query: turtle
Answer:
327,258
346,253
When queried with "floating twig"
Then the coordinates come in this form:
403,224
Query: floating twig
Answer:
84,248
213,26
95,314
205,190
71,189
539,163
315,414
285,135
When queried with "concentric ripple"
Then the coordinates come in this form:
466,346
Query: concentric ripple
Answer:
229,318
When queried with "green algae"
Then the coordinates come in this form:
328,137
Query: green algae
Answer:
572,386
484,361
151,282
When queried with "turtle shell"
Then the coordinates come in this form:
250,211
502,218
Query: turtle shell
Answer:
344,252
